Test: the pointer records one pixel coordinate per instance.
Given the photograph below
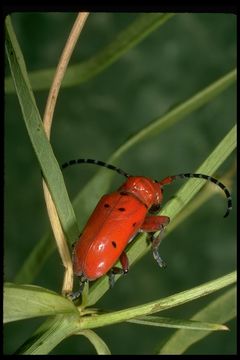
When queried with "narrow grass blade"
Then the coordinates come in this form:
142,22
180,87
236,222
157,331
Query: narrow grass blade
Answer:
125,40
86,200
209,166
138,247
52,331
176,323
159,305
35,261
135,251
40,143
27,301
223,309
100,346
178,113
205,194
49,335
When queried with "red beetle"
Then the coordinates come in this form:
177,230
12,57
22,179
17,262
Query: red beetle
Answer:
117,219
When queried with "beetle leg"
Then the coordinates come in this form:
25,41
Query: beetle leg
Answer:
75,295
155,244
116,270
151,225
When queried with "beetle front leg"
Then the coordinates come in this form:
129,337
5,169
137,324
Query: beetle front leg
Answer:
75,295
116,270
151,225
155,245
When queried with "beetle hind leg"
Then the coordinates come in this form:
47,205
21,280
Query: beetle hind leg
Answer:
116,270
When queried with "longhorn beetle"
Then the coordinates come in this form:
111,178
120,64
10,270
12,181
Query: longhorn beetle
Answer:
118,218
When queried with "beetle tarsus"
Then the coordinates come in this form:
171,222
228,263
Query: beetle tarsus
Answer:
75,295
115,271
158,259
111,279
155,245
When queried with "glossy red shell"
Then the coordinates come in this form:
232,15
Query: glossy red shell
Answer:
115,221
106,234
145,189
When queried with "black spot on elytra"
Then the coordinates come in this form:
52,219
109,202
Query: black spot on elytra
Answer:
106,205
134,224
121,209
114,244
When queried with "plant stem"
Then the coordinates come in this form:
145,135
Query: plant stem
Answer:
47,123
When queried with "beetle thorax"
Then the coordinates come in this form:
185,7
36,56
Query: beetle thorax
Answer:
145,189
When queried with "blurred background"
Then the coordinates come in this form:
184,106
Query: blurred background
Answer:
93,119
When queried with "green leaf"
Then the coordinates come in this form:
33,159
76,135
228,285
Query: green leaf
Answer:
223,309
178,113
50,334
176,323
209,167
64,325
40,143
86,199
125,40
52,331
100,346
35,261
139,246
159,305
27,301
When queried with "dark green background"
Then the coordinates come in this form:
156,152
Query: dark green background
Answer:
91,120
